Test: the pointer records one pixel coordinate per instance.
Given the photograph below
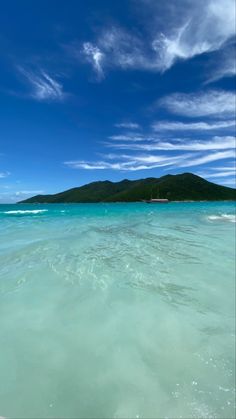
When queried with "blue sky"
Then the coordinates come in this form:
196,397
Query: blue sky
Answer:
101,90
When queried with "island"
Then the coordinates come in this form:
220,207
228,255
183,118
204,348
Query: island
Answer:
180,187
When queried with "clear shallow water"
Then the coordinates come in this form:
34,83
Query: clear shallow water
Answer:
117,311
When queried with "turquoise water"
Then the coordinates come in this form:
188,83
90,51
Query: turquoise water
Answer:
117,311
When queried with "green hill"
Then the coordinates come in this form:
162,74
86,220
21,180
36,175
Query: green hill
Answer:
186,186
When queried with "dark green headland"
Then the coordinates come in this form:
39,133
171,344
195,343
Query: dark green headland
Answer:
186,186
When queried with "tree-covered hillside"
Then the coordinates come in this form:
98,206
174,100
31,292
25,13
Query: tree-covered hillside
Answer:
185,186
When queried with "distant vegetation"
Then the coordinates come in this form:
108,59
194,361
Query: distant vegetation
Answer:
181,187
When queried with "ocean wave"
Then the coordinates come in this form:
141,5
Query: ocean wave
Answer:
23,212
223,217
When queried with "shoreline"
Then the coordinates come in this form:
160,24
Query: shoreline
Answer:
116,202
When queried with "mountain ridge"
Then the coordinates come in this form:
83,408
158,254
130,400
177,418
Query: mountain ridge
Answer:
181,187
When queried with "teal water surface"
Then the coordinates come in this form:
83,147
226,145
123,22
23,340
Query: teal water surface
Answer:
117,310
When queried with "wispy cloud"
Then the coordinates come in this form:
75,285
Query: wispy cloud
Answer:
225,66
95,165
128,137
123,49
4,174
197,28
207,158
128,125
186,144
151,161
12,196
125,163
207,26
218,103
227,174
32,192
220,174
116,47
228,168
43,87
226,182
192,126
184,160
95,56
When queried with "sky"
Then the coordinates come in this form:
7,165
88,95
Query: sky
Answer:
97,89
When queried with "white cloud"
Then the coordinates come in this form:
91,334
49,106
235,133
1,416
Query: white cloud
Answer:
215,143
115,48
226,182
13,196
207,27
225,168
43,86
192,126
151,161
225,174
4,174
193,29
19,193
208,158
123,49
224,66
95,56
183,160
220,171
124,163
127,137
206,103
128,125
96,165
221,174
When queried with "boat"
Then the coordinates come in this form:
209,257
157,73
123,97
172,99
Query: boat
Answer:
157,201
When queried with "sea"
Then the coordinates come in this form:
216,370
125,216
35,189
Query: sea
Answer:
117,310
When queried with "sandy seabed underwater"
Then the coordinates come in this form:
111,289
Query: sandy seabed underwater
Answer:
117,310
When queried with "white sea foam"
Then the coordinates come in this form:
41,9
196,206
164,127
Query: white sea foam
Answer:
223,217
15,212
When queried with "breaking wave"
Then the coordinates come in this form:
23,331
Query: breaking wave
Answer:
23,212
223,217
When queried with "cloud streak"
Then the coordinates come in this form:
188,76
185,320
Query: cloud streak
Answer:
225,173
43,87
34,192
128,137
192,126
221,174
215,143
220,103
225,66
151,161
128,125
208,158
